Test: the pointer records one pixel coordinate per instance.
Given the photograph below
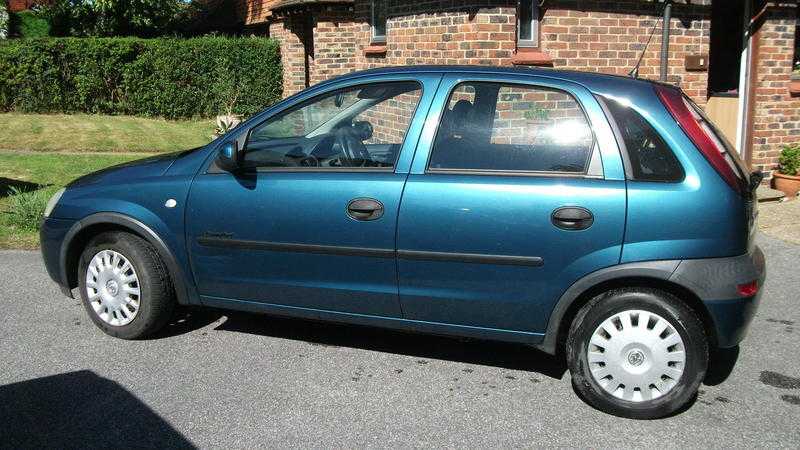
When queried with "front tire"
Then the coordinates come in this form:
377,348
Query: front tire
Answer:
638,353
125,286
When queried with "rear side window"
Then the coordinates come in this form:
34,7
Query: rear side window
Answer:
649,157
496,127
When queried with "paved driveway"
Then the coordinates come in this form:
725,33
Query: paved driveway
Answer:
243,381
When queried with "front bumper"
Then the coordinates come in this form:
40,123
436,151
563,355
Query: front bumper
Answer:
51,235
715,281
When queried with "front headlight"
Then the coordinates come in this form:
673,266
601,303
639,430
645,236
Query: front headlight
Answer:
53,202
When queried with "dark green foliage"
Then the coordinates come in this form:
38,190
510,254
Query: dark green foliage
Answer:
789,160
29,24
143,18
172,78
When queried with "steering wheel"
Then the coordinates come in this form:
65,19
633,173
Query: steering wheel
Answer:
354,151
309,161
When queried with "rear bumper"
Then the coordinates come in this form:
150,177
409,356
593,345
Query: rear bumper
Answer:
715,281
51,235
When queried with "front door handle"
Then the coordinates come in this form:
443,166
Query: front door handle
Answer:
572,218
365,209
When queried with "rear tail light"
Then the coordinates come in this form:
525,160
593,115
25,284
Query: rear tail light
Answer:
699,130
748,289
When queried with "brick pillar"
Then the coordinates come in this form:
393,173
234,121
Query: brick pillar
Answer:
776,115
289,32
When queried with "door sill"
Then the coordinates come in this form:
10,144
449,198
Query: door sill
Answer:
395,323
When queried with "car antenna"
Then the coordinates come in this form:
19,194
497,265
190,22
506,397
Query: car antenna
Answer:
634,73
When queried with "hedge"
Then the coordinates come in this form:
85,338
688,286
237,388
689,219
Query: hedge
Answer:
171,78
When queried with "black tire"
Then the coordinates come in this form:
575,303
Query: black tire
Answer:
157,296
669,307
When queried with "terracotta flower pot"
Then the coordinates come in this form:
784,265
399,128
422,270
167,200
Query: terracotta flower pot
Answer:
794,84
790,185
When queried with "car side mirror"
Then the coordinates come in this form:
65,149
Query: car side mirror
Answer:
229,157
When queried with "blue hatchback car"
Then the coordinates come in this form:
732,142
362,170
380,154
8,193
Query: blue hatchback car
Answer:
597,217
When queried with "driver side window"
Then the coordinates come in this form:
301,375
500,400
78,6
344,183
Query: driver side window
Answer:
357,127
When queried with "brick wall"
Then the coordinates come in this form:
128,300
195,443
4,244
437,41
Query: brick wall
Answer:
597,38
777,113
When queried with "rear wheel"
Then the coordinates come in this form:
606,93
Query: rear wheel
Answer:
638,353
124,285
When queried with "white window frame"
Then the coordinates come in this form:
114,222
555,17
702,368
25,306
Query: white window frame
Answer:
376,38
534,41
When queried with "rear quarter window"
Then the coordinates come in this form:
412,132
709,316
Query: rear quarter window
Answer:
649,158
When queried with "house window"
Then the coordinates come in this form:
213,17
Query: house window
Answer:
378,21
528,23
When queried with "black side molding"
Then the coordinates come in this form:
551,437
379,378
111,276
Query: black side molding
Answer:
477,258
215,241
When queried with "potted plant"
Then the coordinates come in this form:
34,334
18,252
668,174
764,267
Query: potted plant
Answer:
794,82
229,120
787,177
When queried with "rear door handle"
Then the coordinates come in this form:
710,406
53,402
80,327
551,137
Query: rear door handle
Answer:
365,209
572,218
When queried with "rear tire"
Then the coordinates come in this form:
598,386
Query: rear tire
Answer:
617,338
125,286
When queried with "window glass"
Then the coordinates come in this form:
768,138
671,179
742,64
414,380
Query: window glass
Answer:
650,157
525,19
528,23
499,127
361,126
379,20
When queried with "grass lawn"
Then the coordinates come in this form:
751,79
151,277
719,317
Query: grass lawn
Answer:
44,171
95,133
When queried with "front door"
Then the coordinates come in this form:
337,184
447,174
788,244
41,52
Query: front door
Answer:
311,221
519,193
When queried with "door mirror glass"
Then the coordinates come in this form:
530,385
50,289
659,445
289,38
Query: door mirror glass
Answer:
228,157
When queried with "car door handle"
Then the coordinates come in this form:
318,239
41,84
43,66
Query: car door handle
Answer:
572,218
365,209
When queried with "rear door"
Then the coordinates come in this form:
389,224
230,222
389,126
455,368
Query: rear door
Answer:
516,191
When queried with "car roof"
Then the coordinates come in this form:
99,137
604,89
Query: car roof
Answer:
591,80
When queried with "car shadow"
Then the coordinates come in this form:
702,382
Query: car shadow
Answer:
720,365
80,410
187,319
7,185
472,351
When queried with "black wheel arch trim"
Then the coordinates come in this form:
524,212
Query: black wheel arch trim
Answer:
179,280
661,270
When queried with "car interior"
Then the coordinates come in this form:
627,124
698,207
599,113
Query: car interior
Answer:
464,141
341,140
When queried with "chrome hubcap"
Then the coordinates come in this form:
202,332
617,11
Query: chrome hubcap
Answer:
636,355
113,288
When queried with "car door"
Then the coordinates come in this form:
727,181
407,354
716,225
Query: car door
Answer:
516,191
311,220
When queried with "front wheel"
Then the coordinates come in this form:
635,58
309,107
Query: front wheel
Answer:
125,286
638,353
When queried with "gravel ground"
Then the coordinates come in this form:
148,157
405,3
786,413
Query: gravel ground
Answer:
220,380
781,220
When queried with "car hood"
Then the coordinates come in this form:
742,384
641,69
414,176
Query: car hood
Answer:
152,166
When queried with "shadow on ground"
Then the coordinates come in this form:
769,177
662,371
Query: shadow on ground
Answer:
7,184
424,346
80,410
720,365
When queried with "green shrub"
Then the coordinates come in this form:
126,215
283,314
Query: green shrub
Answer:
171,78
789,160
30,24
25,209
